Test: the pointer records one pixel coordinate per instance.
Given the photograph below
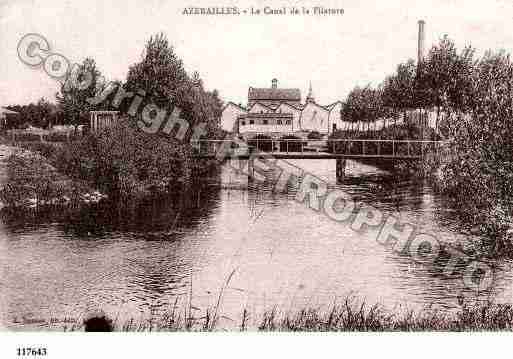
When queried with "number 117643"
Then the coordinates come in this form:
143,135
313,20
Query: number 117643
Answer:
31,351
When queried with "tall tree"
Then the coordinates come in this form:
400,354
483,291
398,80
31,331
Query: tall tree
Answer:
445,79
83,82
162,77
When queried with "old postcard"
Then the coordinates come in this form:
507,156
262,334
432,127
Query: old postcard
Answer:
255,166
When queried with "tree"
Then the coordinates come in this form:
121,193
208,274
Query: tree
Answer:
162,77
399,89
364,105
46,110
481,160
445,78
38,114
83,82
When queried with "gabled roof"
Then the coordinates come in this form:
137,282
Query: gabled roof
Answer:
261,104
234,104
4,111
298,108
282,94
317,105
329,107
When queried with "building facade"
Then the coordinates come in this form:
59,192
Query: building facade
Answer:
278,111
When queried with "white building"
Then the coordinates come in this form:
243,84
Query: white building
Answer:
279,111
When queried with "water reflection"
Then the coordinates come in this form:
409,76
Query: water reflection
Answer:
134,259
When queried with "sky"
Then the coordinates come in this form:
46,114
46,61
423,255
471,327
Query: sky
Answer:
232,53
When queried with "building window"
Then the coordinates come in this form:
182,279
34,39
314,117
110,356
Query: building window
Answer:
287,122
266,122
280,122
242,123
251,122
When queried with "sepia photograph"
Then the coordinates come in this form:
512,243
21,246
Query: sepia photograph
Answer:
255,167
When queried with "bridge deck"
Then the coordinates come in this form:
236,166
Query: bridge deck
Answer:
311,155
317,149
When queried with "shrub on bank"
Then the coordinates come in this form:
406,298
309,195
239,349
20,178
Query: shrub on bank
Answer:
477,173
123,160
127,161
33,181
119,160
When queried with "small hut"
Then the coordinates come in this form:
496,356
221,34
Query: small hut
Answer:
8,118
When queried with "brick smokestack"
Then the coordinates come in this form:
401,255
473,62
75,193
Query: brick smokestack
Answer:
421,44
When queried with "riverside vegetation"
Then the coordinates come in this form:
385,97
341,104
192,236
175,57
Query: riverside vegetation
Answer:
472,100
120,161
348,315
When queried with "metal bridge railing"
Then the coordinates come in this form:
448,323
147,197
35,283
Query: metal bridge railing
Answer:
349,147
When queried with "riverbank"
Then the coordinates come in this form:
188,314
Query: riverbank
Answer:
119,162
479,188
348,316
31,180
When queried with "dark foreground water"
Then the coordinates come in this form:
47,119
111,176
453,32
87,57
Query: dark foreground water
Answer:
139,259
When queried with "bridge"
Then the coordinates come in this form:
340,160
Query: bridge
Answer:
320,149
339,149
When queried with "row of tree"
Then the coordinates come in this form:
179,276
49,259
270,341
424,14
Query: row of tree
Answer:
40,114
443,80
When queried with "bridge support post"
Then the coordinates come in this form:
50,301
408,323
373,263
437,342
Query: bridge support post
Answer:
251,168
341,170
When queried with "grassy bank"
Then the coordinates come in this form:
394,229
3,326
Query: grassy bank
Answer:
349,315
121,161
32,180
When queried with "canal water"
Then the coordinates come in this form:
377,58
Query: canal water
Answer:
261,249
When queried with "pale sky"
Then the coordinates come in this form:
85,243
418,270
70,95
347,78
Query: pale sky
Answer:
234,52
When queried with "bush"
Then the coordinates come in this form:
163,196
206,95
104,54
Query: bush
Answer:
124,160
33,181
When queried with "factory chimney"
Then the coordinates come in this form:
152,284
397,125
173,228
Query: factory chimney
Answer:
422,40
